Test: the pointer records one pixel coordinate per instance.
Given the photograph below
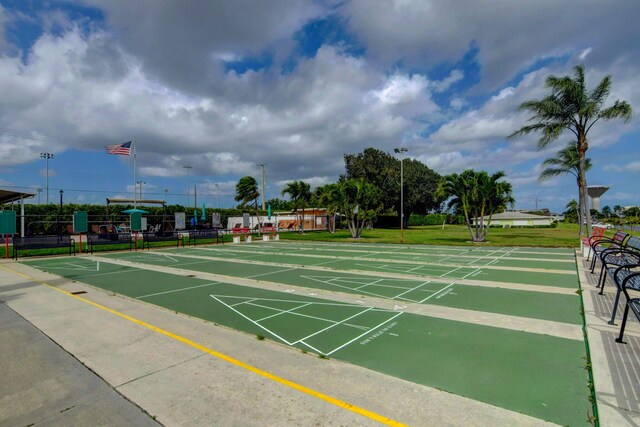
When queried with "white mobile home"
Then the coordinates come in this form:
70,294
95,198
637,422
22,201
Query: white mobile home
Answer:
518,219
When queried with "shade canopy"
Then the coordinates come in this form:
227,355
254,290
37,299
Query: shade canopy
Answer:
130,211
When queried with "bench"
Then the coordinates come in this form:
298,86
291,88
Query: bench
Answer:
598,246
628,280
109,239
43,242
160,236
195,235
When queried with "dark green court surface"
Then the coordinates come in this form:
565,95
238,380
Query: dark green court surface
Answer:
539,375
536,305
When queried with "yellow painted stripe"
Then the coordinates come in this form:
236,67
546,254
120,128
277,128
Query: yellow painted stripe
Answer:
258,371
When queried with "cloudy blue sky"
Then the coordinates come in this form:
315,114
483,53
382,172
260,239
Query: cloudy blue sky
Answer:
292,84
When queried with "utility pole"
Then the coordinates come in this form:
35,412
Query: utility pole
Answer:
188,168
262,165
402,152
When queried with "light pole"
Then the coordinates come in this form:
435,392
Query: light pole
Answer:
401,151
141,183
166,190
60,214
188,168
39,190
47,156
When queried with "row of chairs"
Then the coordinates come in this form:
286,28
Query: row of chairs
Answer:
619,258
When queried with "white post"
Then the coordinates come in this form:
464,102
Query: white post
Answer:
402,200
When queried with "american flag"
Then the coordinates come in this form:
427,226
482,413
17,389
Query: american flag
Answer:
121,149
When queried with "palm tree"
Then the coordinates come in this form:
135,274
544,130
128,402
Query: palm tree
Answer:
359,201
476,195
247,192
571,107
300,194
567,161
618,210
329,197
571,210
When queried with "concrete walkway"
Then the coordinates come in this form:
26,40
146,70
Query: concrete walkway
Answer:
184,371
42,384
616,367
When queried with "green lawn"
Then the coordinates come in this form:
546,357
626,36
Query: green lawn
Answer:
565,235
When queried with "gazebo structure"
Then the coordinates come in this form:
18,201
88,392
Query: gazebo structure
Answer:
595,191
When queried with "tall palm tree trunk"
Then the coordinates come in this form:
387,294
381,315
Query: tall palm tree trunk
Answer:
581,217
582,149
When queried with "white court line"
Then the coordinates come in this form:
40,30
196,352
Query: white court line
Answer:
312,347
362,328
450,271
397,268
178,290
347,287
413,289
82,267
249,301
156,256
270,272
286,300
251,320
294,313
369,284
334,325
60,268
281,311
450,285
500,257
360,336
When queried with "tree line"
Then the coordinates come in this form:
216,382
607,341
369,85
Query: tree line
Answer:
371,186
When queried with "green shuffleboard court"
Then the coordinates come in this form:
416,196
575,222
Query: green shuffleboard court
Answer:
539,374
538,305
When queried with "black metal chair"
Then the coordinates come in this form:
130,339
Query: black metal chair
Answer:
614,257
628,280
604,243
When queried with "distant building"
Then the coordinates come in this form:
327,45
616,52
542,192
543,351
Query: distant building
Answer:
314,219
518,219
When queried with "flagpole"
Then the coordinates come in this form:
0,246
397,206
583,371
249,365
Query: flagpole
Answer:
133,143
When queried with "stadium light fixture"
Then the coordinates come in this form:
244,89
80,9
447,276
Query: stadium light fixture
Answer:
47,156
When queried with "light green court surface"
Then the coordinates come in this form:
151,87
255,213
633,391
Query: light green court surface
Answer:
539,375
530,276
557,260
